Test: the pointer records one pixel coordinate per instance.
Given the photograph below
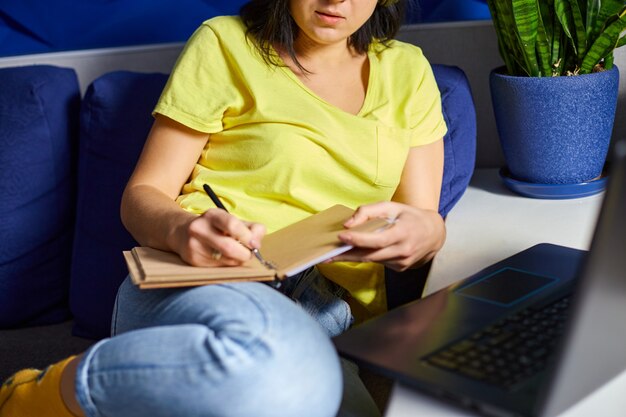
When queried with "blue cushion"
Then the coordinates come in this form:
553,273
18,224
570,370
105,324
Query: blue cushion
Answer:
115,120
38,137
460,141
459,158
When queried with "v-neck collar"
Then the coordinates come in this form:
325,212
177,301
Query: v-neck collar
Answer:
369,91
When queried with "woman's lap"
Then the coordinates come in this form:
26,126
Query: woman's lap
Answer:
320,298
234,349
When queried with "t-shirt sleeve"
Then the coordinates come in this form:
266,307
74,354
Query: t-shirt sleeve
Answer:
200,89
427,124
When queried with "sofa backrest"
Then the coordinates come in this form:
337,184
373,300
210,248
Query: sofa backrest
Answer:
38,148
115,118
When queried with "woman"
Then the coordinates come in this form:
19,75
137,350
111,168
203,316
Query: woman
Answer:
294,106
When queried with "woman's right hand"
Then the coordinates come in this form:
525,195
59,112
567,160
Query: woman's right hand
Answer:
218,238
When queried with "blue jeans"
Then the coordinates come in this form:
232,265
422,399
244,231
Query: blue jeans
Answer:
219,350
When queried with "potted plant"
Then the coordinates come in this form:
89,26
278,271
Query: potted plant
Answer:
555,99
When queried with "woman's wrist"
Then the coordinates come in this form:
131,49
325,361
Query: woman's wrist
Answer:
177,237
437,238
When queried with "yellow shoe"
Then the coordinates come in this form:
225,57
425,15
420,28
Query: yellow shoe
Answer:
34,393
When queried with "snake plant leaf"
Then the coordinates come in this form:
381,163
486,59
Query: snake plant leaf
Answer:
582,5
557,37
593,9
544,44
603,10
526,18
581,33
510,51
546,15
558,63
564,13
608,61
604,44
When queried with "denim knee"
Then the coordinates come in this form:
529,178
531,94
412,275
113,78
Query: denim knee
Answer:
262,356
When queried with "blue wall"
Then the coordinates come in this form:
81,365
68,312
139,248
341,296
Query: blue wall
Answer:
35,26
452,10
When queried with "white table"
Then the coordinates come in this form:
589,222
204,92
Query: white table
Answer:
489,224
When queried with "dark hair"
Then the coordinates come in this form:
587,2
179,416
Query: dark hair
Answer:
269,23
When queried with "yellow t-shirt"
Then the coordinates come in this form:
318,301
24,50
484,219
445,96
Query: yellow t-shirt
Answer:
279,153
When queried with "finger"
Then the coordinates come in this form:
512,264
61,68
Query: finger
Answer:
381,256
229,225
365,255
202,253
229,249
372,240
258,232
247,234
212,240
370,211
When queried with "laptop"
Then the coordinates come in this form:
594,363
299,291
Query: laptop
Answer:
528,336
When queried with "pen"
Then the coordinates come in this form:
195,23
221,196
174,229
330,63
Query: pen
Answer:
218,203
214,198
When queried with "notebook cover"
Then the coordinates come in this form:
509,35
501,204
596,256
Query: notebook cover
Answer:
153,268
312,240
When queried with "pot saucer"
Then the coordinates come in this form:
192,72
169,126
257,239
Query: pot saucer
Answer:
554,191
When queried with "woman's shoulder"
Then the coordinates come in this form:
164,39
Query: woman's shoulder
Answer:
220,32
225,25
398,52
401,61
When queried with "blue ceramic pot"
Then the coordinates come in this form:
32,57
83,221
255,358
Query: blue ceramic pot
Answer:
555,130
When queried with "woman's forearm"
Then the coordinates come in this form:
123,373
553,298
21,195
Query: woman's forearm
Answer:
153,218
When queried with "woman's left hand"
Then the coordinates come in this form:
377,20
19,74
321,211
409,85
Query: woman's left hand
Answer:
414,237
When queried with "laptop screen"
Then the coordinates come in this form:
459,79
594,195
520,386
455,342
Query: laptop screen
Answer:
594,350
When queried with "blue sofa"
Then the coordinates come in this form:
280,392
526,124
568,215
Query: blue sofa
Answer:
64,161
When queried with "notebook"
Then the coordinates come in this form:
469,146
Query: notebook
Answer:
290,250
528,336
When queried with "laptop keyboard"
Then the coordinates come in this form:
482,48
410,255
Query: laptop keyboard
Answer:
509,351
